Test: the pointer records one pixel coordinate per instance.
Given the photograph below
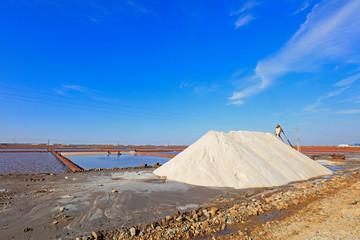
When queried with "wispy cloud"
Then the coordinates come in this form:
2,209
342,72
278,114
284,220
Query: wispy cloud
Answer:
138,6
184,84
247,6
339,86
347,81
303,7
94,19
243,20
66,88
77,88
95,10
349,111
330,34
203,89
239,102
318,103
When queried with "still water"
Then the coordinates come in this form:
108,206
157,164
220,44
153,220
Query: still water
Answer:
18,163
167,152
25,149
76,150
115,161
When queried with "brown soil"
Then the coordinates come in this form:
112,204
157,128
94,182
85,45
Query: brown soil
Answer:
334,214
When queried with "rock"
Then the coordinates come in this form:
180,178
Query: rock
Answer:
96,235
206,213
27,229
231,220
67,196
214,209
205,224
223,227
168,218
114,191
170,231
62,209
144,165
132,231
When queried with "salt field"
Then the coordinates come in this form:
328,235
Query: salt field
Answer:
76,149
21,150
115,161
23,163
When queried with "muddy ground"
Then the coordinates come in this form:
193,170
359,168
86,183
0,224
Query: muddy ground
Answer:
71,205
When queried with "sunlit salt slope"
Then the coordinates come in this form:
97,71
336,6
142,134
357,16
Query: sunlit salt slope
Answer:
240,160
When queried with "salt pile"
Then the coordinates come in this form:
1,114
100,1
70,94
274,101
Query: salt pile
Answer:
240,160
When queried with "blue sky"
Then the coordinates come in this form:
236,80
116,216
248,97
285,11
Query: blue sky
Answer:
166,72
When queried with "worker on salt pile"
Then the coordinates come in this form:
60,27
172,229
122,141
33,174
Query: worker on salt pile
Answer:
278,130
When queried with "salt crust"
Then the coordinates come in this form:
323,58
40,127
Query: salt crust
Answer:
240,159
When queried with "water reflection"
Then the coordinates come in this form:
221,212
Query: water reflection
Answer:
17,163
115,161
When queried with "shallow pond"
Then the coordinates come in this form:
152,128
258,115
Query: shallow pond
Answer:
76,150
166,152
115,161
25,149
21,163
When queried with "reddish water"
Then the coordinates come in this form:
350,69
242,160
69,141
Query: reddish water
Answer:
17,163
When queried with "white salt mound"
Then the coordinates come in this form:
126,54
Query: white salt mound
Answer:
240,160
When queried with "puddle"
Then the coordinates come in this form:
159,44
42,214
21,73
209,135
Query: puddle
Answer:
29,195
271,216
187,207
219,233
157,181
336,168
226,232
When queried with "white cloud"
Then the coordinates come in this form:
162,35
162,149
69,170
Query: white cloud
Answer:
349,111
348,80
330,34
75,88
184,84
314,107
243,20
203,89
247,6
303,7
239,102
66,88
